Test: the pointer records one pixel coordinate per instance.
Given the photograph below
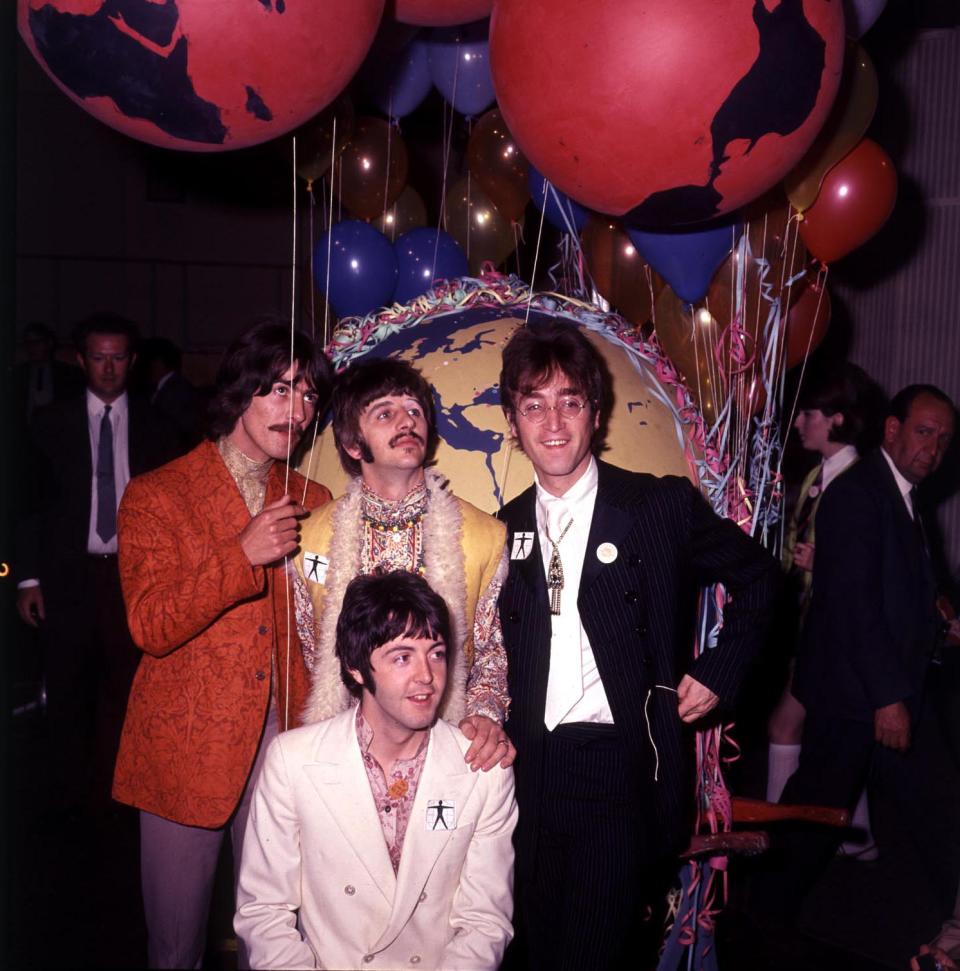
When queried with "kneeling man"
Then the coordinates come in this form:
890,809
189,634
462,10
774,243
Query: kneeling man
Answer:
370,842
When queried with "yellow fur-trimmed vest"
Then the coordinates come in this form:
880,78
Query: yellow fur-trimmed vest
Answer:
463,550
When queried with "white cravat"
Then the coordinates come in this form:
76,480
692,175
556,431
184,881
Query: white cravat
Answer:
565,682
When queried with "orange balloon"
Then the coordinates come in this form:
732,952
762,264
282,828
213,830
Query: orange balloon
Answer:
373,168
408,212
856,199
316,147
482,231
497,165
619,272
808,317
846,124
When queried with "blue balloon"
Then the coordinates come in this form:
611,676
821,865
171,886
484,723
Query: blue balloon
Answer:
362,268
686,259
425,255
561,211
460,66
397,81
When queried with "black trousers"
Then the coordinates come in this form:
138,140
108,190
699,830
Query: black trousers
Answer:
920,786
89,662
581,886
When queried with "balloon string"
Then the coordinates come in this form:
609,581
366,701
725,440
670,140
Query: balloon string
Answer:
536,253
386,171
326,286
311,218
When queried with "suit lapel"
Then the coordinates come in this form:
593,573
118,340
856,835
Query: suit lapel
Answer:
609,525
445,777
530,568
340,779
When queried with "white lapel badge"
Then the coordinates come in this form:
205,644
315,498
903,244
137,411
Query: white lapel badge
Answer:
315,567
607,552
441,814
522,546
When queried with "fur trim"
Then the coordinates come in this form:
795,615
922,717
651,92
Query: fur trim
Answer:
445,572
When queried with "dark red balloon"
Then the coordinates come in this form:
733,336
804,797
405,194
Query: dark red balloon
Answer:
683,109
438,13
856,199
200,75
808,317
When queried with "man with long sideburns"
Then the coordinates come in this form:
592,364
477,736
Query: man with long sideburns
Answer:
371,843
203,543
597,614
397,514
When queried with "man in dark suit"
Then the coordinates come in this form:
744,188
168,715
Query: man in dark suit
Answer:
864,664
597,617
171,394
40,378
83,453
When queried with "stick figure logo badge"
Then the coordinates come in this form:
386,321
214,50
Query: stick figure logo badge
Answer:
441,815
315,567
522,546
607,552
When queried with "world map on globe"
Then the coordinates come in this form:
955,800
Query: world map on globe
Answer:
459,354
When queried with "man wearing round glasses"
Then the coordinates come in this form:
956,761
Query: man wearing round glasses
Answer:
597,613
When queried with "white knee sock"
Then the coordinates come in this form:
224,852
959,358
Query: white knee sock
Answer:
782,762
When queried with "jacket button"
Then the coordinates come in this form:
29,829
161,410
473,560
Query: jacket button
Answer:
647,660
349,891
514,617
631,596
262,629
423,896
367,958
260,675
415,959
641,630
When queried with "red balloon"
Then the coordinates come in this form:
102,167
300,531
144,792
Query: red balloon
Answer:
200,75
808,317
680,111
856,199
438,13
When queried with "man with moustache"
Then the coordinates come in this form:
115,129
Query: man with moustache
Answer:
203,547
370,842
868,657
399,515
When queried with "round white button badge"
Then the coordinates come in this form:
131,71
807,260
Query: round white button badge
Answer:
607,552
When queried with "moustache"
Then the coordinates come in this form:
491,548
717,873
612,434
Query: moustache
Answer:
396,438
290,429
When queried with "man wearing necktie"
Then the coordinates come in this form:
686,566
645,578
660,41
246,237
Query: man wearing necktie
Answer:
865,655
597,619
83,453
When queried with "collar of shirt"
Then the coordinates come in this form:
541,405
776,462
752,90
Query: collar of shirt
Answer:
118,408
837,463
903,484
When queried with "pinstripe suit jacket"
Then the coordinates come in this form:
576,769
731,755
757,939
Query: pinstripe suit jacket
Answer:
638,613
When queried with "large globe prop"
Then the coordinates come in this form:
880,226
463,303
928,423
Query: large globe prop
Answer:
201,75
459,354
674,111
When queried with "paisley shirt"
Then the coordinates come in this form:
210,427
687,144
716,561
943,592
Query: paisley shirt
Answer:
393,794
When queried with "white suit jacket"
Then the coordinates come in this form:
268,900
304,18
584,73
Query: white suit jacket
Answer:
314,847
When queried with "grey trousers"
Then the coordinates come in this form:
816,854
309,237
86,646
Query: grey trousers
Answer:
177,868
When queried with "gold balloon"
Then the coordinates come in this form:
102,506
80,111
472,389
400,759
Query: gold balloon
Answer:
846,124
373,168
482,231
316,147
619,272
408,212
689,335
497,165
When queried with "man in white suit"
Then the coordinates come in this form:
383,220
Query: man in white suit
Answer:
370,842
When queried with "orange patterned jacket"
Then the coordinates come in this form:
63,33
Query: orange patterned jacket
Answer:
212,627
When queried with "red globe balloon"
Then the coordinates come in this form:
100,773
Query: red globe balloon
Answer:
201,75
438,13
672,110
856,199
